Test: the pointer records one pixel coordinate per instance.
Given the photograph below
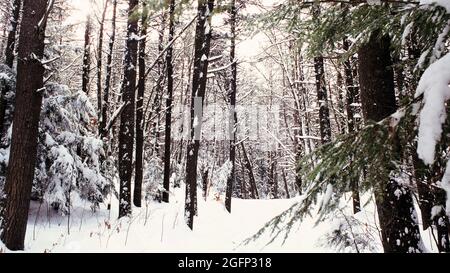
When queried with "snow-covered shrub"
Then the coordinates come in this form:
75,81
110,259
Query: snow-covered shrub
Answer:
349,233
8,88
71,163
70,155
262,174
153,178
178,174
219,179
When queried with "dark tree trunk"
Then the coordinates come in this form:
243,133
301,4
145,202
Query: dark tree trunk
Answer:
424,191
249,167
298,149
104,119
86,56
286,188
352,93
159,90
322,98
233,116
20,172
205,183
4,87
242,182
139,160
126,131
99,66
168,124
9,59
375,71
339,112
432,197
11,41
202,47
273,180
399,230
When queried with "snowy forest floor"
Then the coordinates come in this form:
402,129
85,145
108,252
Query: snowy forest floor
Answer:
160,227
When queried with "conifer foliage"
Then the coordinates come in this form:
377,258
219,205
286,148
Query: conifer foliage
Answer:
338,107
378,155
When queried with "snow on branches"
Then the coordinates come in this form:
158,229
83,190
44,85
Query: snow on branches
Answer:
434,85
70,157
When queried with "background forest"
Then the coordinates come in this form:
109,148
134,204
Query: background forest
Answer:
168,125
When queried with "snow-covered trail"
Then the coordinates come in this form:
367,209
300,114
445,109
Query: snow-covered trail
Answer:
161,228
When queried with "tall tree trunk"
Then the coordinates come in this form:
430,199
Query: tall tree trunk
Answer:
300,91
286,188
126,131
87,56
352,93
20,172
244,192
159,90
205,183
233,115
396,214
273,180
9,59
12,30
322,98
432,197
99,66
199,78
339,110
4,87
139,160
168,124
424,190
298,149
248,165
104,119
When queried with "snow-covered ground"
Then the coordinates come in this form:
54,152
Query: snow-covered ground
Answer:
160,227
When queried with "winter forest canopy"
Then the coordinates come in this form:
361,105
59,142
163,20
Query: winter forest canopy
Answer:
224,125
